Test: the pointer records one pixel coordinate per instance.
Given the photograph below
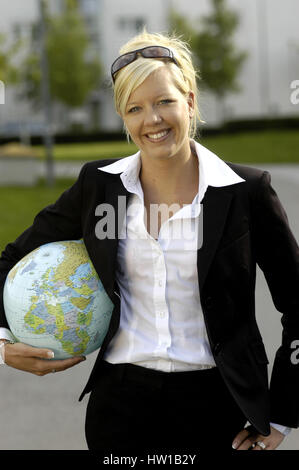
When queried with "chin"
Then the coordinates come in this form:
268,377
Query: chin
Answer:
162,151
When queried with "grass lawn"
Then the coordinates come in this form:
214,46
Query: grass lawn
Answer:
18,207
249,147
256,147
90,151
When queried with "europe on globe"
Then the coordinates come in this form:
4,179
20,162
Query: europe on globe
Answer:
53,298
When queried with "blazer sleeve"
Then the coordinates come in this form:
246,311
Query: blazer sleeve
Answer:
278,256
58,221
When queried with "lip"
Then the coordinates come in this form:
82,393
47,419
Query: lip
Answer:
161,138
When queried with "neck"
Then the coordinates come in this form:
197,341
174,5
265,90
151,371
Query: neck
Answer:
169,176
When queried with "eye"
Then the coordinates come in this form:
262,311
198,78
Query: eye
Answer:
167,101
134,109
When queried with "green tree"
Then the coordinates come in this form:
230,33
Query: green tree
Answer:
216,56
73,74
8,71
182,27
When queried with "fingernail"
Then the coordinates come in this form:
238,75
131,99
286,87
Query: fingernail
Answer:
51,354
234,445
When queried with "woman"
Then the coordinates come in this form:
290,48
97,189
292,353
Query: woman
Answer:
183,366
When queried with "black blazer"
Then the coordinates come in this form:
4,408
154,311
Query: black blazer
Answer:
244,224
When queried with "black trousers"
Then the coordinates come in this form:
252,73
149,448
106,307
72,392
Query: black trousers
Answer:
135,409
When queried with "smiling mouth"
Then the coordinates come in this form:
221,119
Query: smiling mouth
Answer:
159,136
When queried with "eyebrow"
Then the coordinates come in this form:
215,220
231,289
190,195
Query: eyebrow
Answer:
159,96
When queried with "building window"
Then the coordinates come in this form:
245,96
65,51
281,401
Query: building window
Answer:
20,30
130,24
139,24
88,7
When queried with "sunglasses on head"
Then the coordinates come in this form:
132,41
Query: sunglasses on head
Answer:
149,52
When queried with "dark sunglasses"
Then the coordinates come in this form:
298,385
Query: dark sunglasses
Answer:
149,52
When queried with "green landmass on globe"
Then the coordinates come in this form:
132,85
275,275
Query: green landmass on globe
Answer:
53,298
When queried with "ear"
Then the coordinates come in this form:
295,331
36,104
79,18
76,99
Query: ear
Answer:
190,101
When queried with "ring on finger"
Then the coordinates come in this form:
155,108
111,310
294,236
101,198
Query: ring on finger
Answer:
261,444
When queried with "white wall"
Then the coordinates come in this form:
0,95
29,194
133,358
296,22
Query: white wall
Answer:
113,36
274,40
270,55
12,13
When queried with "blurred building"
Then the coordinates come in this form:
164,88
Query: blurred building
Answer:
268,31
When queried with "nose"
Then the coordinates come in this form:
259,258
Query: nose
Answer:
152,116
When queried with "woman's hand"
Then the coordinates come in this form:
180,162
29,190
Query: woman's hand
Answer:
246,438
36,360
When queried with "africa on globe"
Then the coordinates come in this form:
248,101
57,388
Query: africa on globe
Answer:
53,298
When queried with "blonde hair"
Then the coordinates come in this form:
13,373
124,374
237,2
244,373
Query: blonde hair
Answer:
132,75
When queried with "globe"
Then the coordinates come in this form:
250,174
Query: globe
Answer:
53,298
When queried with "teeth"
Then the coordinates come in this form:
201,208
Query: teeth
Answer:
158,136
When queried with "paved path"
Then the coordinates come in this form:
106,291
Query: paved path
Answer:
44,412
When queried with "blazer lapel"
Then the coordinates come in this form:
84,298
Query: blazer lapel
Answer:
214,212
116,198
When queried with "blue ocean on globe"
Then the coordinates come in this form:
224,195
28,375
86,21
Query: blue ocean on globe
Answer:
53,298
